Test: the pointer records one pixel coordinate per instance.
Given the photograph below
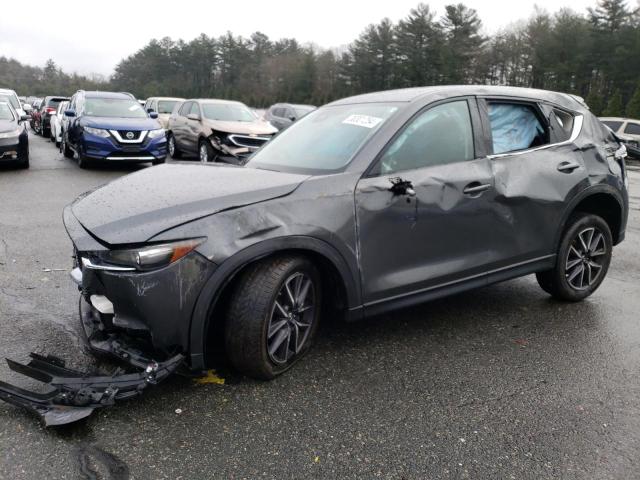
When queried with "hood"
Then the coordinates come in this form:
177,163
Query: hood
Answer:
137,207
116,123
242,128
7,125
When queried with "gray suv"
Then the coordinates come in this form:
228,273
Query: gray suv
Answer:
282,115
367,205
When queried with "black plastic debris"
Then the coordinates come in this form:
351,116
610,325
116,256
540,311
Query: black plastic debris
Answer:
75,395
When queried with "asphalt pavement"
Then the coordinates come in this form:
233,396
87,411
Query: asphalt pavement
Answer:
501,382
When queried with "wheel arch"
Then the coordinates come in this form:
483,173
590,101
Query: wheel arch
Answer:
211,302
602,200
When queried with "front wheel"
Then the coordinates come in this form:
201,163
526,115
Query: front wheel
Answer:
64,147
205,152
583,259
273,316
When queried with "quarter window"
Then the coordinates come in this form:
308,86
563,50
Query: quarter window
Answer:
632,128
515,126
195,110
441,135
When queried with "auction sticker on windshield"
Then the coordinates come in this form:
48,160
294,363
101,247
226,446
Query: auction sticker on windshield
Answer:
362,121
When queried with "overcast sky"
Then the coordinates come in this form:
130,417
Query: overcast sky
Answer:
89,37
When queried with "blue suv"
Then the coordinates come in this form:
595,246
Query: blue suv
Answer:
111,126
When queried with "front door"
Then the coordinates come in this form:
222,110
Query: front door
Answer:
426,212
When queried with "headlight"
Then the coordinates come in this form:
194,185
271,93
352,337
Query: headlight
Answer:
156,133
13,133
98,132
149,257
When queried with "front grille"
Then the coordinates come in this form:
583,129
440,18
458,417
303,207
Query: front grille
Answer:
248,141
129,134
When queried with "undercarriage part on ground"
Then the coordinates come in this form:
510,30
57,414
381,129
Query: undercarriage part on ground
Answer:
75,395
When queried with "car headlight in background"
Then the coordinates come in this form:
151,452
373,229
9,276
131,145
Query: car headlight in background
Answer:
13,133
156,133
98,132
147,257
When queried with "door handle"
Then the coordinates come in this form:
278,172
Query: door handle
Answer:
568,167
475,188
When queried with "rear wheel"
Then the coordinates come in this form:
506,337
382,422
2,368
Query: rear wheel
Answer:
273,316
174,151
583,259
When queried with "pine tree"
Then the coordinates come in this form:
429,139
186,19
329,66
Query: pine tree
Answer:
614,106
633,107
461,26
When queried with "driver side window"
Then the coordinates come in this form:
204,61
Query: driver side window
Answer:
440,135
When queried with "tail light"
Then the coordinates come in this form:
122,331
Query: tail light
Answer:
50,110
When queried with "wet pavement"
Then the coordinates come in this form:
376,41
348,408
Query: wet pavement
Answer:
501,382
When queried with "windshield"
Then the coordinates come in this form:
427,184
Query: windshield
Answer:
166,106
113,107
12,99
227,112
323,141
5,112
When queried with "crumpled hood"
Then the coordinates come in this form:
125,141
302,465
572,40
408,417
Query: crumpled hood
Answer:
116,123
135,208
242,128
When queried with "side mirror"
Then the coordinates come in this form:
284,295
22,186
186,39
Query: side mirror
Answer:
293,119
24,118
153,114
26,107
193,116
149,110
69,113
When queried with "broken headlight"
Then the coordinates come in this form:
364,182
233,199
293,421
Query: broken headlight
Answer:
148,257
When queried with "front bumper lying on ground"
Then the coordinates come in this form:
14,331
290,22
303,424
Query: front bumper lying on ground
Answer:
75,395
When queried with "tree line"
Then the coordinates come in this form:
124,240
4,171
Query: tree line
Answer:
594,54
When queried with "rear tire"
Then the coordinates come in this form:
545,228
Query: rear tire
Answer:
267,332
172,146
583,259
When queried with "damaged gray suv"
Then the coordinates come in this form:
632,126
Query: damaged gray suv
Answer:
366,205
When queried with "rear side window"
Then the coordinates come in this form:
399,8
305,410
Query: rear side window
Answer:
440,135
515,126
632,128
184,110
562,123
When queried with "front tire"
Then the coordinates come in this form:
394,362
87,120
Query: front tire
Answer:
205,152
273,316
583,259
64,147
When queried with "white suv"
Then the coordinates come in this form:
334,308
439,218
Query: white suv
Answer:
628,130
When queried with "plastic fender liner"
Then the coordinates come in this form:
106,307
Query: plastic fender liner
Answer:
75,395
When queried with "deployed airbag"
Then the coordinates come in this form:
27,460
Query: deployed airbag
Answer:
514,127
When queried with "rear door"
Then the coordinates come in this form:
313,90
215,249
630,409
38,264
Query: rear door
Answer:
537,169
192,128
179,124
